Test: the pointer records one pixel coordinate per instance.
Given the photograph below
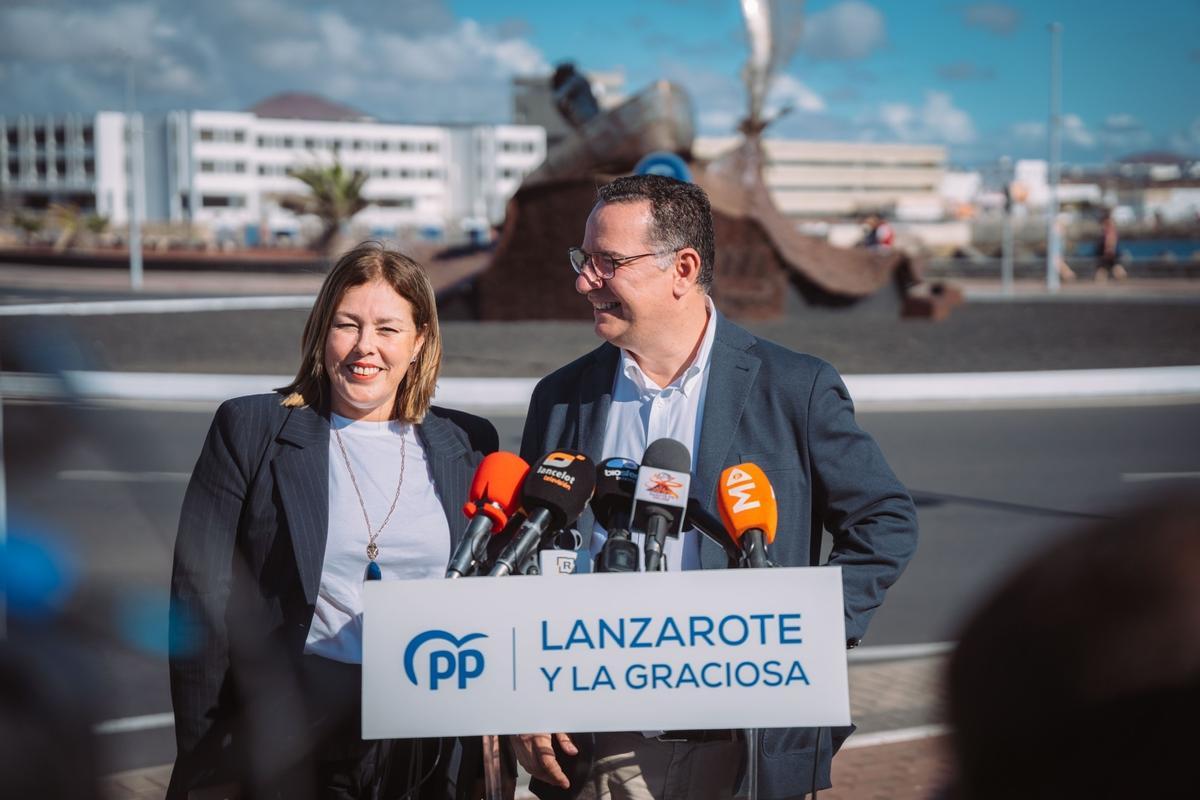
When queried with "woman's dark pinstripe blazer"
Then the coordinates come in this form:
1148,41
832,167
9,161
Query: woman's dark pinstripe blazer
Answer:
248,561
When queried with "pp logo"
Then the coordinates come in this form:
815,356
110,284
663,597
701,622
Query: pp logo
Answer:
444,663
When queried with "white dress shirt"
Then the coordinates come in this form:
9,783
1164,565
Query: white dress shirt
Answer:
642,411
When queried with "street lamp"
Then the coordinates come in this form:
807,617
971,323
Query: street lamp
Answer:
1053,235
135,150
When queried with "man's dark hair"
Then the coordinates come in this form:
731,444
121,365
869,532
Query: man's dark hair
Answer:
679,212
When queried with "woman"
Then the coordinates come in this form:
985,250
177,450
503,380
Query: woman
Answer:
347,474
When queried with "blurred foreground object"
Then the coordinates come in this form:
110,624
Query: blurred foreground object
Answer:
1080,678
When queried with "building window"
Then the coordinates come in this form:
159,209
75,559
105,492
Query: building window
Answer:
393,202
208,166
207,135
239,137
223,201
89,135
239,167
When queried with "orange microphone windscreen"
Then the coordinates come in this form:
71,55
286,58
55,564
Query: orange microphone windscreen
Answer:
496,488
747,501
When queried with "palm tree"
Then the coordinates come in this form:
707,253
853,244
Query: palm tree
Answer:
334,196
67,218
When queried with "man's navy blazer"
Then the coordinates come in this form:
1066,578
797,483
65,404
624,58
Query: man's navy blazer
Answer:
248,560
790,414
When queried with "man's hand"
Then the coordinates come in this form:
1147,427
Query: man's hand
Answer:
535,752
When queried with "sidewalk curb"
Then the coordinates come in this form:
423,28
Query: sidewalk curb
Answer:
512,394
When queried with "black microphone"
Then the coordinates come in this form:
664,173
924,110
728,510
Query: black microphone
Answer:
616,479
702,520
660,499
554,495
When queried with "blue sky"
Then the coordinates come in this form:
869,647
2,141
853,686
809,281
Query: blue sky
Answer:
970,75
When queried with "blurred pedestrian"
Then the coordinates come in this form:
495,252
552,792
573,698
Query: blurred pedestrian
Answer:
295,501
879,233
1107,255
1080,678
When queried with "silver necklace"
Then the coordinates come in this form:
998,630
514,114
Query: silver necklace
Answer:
372,533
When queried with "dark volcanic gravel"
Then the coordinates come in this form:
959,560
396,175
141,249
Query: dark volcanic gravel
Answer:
976,337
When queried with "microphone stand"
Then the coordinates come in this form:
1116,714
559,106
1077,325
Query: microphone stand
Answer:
752,771
493,773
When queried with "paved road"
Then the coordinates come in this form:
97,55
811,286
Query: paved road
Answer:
992,488
1024,334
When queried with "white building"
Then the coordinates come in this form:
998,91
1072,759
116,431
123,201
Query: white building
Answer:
812,180
229,170
73,158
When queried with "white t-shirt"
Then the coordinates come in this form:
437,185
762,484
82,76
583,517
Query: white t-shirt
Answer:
414,544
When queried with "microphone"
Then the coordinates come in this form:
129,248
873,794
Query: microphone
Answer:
494,495
616,479
554,495
702,520
749,511
660,498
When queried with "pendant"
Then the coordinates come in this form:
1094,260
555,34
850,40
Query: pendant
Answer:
372,551
373,571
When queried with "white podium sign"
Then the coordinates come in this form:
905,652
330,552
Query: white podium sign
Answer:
605,652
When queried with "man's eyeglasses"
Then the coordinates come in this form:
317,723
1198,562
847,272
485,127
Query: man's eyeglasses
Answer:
602,265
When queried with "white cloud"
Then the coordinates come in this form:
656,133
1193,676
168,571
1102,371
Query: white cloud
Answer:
465,53
343,43
1124,132
998,18
1187,141
411,60
1116,122
788,91
99,45
283,55
1075,132
937,120
1029,131
718,121
848,30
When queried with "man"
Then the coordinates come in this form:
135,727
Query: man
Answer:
672,366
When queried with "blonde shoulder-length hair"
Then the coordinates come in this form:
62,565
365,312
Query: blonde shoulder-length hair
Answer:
368,262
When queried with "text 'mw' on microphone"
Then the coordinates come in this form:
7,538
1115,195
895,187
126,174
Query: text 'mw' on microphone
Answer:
660,499
553,496
495,495
748,508
616,479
